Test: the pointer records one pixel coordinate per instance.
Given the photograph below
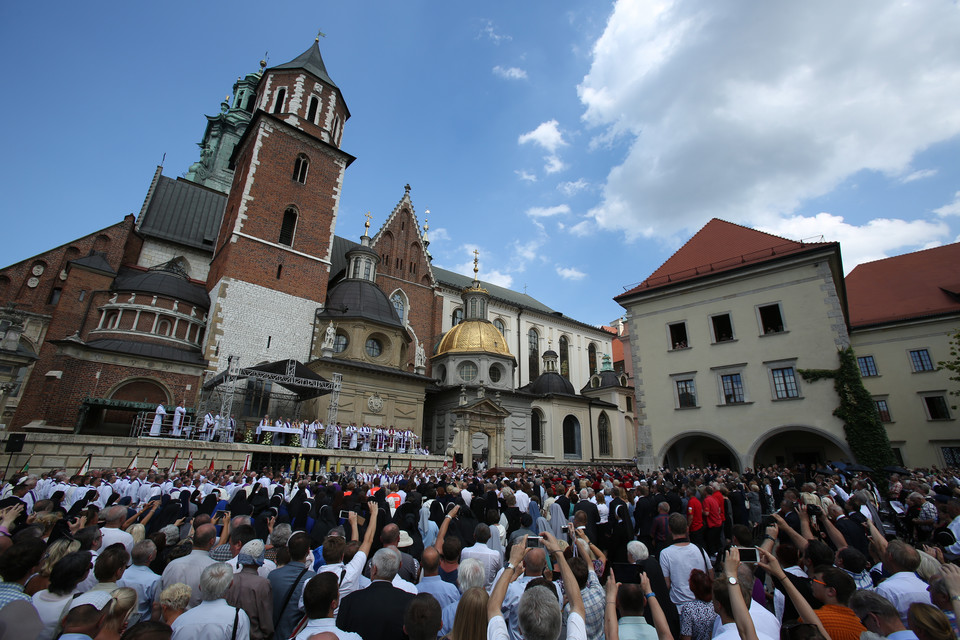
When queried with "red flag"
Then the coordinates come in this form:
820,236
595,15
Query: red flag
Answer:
410,466
210,470
155,465
85,467
190,463
173,465
135,462
246,464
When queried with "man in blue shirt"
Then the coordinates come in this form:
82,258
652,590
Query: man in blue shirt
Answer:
432,583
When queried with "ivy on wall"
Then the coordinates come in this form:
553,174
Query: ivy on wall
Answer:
864,430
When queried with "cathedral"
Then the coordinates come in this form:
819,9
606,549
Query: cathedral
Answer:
238,265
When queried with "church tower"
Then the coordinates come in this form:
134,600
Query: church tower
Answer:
271,262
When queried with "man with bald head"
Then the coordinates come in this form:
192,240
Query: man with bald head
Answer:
432,583
188,568
409,567
114,517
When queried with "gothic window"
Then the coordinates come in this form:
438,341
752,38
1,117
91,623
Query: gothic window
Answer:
312,111
281,96
300,168
288,227
603,431
536,431
564,357
592,357
457,317
398,304
498,323
533,355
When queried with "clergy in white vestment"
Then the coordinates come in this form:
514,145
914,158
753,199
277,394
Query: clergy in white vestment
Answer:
178,415
158,420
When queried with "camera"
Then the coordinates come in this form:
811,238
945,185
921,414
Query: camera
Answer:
814,510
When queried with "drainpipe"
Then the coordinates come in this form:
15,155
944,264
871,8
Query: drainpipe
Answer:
519,347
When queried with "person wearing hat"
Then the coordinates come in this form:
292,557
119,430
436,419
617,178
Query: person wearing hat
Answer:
251,592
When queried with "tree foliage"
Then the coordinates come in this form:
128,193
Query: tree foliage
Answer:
953,364
864,430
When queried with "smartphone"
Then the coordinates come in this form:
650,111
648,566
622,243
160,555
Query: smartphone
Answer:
534,542
344,514
626,573
768,520
747,554
217,515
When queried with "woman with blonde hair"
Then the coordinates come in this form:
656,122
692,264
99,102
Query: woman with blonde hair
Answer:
173,601
57,550
928,622
470,622
118,613
138,531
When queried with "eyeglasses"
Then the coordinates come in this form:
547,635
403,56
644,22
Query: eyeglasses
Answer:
820,582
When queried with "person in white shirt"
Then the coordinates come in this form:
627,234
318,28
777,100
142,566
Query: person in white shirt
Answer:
492,560
190,567
348,575
158,420
178,415
213,618
903,587
114,517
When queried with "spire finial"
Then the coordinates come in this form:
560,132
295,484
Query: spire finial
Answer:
366,225
476,261
406,188
426,224
320,34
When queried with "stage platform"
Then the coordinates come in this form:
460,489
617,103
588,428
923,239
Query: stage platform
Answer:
68,451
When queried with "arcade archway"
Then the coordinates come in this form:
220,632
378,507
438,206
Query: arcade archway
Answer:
698,449
797,444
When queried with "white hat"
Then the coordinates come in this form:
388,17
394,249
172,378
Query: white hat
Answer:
98,599
405,540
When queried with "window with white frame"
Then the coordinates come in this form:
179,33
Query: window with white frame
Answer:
721,325
784,383
686,390
731,387
920,360
771,318
677,332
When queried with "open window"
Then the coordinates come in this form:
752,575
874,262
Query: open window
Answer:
771,318
678,335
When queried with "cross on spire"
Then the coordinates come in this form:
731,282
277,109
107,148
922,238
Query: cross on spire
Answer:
366,225
320,34
476,260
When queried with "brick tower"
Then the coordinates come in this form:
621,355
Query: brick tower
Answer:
271,261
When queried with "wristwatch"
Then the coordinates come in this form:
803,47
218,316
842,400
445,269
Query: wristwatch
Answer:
732,580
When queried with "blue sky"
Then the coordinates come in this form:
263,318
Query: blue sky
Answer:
576,145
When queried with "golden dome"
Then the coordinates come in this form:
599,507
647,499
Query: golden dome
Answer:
473,336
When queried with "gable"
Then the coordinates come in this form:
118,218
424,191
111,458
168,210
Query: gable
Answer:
402,251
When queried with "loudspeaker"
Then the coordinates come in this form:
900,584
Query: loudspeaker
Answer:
15,443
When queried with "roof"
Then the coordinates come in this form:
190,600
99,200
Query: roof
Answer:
162,282
359,299
148,350
550,383
342,363
310,60
473,336
720,246
461,282
914,285
96,261
184,212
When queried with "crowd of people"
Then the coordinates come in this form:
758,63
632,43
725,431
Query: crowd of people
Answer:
684,554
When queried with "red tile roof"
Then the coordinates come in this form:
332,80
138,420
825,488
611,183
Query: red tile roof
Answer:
914,285
719,246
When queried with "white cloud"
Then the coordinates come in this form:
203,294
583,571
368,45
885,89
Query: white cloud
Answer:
573,188
554,164
529,177
489,31
745,110
569,273
439,234
546,212
918,175
583,228
547,135
510,73
877,239
951,209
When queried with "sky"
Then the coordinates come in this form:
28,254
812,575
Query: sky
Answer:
575,145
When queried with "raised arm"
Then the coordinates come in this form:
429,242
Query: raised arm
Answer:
354,531
772,566
570,586
796,538
371,529
656,611
611,626
447,519
832,532
509,574
740,612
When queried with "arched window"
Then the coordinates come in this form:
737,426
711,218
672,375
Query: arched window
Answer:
536,431
473,308
457,317
498,323
356,268
163,328
289,227
367,265
533,356
250,98
398,304
571,437
564,357
592,356
281,96
312,111
300,168
603,433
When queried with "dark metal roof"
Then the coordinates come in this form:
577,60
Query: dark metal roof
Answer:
359,299
148,350
458,281
184,212
342,363
310,60
163,283
550,383
96,261
608,379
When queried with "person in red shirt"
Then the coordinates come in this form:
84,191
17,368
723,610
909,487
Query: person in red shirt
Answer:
695,517
714,515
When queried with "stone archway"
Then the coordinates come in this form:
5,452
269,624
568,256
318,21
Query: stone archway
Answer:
698,449
794,444
485,417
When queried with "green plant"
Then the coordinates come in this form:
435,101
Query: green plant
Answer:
953,364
